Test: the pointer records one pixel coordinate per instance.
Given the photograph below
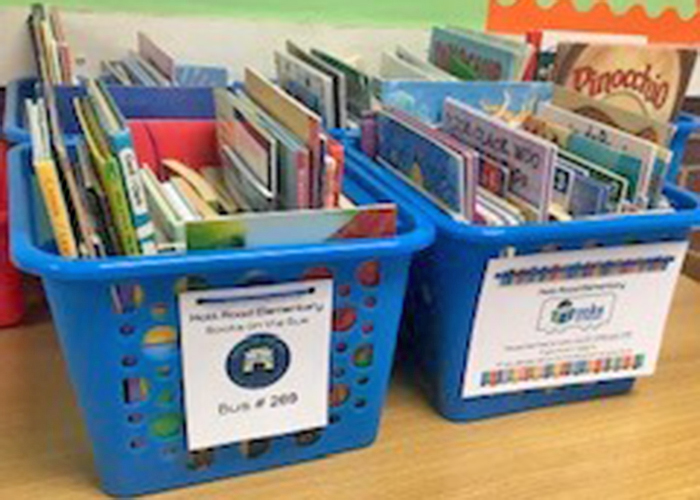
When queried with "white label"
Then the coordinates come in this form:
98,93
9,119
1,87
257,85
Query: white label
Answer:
255,361
571,317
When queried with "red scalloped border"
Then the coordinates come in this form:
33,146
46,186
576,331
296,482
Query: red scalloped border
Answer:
526,15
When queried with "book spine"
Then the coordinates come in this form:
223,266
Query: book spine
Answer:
303,164
56,206
119,206
133,185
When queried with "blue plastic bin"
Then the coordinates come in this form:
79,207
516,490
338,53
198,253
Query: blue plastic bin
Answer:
446,281
134,102
103,348
687,124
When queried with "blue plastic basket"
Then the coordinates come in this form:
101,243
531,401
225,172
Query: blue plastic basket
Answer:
134,103
446,282
686,124
103,348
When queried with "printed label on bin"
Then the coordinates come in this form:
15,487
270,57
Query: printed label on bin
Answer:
255,361
571,317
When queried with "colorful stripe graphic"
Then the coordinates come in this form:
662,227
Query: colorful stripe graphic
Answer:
554,371
577,270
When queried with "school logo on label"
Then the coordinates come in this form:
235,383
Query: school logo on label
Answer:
258,361
584,313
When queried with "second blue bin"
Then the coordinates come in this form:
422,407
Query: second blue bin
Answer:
447,279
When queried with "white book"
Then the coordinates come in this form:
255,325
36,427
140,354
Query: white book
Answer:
179,203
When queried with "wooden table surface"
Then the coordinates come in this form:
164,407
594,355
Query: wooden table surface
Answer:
645,445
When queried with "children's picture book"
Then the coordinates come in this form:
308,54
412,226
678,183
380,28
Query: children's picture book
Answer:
358,84
546,42
184,75
401,64
472,55
655,159
49,181
624,164
656,131
431,71
297,227
649,80
619,185
113,123
530,159
309,85
509,101
110,175
391,67
588,196
294,159
437,170
338,77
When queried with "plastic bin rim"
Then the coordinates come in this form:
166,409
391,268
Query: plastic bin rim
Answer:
506,235
34,260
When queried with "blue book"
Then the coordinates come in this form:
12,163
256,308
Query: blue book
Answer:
511,101
588,197
429,165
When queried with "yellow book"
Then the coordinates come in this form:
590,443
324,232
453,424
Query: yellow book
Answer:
196,180
49,183
109,172
194,199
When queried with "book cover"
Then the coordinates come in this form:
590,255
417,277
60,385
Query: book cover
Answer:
293,227
473,56
307,84
50,184
655,159
110,175
358,84
113,124
614,160
649,80
295,117
430,166
338,77
529,158
294,158
473,162
510,101
656,131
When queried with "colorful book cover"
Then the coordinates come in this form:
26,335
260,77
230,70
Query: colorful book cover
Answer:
626,165
530,159
588,196
110,175
426,163
49,182
358,84
338,77
474,56
113,124
656,131
294,168
294,227
619,186
307,84
472,160
655,159
647,80
510,101
294,116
